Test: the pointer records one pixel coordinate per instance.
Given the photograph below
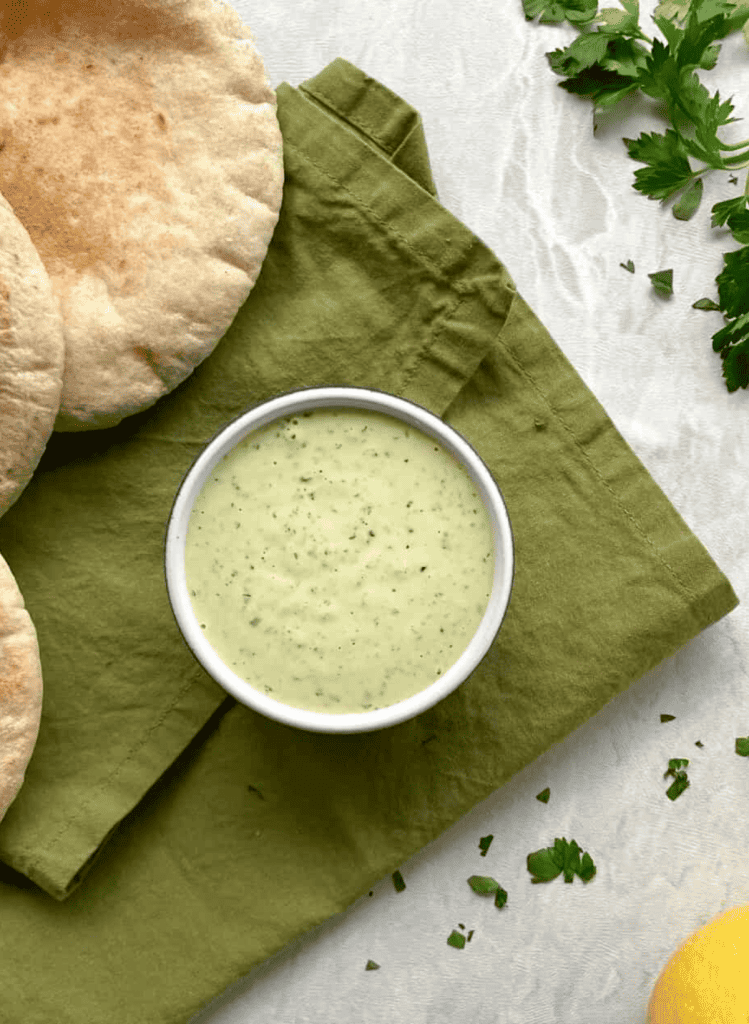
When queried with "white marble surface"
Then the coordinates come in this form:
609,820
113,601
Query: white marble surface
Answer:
515,158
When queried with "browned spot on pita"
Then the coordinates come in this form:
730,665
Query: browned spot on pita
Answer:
143,352
64,184
6,323
117,20
74,213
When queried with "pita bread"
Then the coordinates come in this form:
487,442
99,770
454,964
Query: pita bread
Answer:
32,355
140,148
20,688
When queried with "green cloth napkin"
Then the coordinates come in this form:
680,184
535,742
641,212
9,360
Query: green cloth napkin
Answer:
167,839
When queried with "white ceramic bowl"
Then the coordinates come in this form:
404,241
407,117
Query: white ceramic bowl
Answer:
290,404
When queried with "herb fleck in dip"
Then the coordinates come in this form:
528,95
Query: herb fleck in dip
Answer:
339,560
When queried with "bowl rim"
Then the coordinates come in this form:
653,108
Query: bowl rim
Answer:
290,403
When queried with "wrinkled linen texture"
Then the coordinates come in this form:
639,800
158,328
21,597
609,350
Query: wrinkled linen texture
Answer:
167,838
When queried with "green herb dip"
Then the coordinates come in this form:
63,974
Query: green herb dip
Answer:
339,560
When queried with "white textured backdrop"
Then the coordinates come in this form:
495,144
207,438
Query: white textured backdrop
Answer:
515,158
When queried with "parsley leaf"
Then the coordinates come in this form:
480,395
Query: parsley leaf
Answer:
736,358
707,21
668,169
681,782
660,75
398,882
588,49
563,857
689,202
709,114
604,87
663,281
486,886
739,225
673,9
456,939
733,283
625,23
576,12
733,340
722,211
483,885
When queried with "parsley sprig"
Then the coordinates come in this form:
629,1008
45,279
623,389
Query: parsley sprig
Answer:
612,57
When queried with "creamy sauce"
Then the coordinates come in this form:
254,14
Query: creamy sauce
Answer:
339,560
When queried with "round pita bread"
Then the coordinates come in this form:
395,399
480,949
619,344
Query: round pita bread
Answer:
20,688
140,148
32,356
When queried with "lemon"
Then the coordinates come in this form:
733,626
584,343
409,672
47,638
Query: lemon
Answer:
706,981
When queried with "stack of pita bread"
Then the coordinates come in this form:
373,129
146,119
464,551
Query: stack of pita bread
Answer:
141,178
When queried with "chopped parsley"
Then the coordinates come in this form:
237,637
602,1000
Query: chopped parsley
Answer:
663,282
676,768
563,857
486,886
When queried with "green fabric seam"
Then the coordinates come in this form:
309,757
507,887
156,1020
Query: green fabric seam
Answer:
363,125
462,292
420,257
410,372
68,824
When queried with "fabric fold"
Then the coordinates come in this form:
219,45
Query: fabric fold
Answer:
378,114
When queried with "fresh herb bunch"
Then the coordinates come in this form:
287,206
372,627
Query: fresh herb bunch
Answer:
611,58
